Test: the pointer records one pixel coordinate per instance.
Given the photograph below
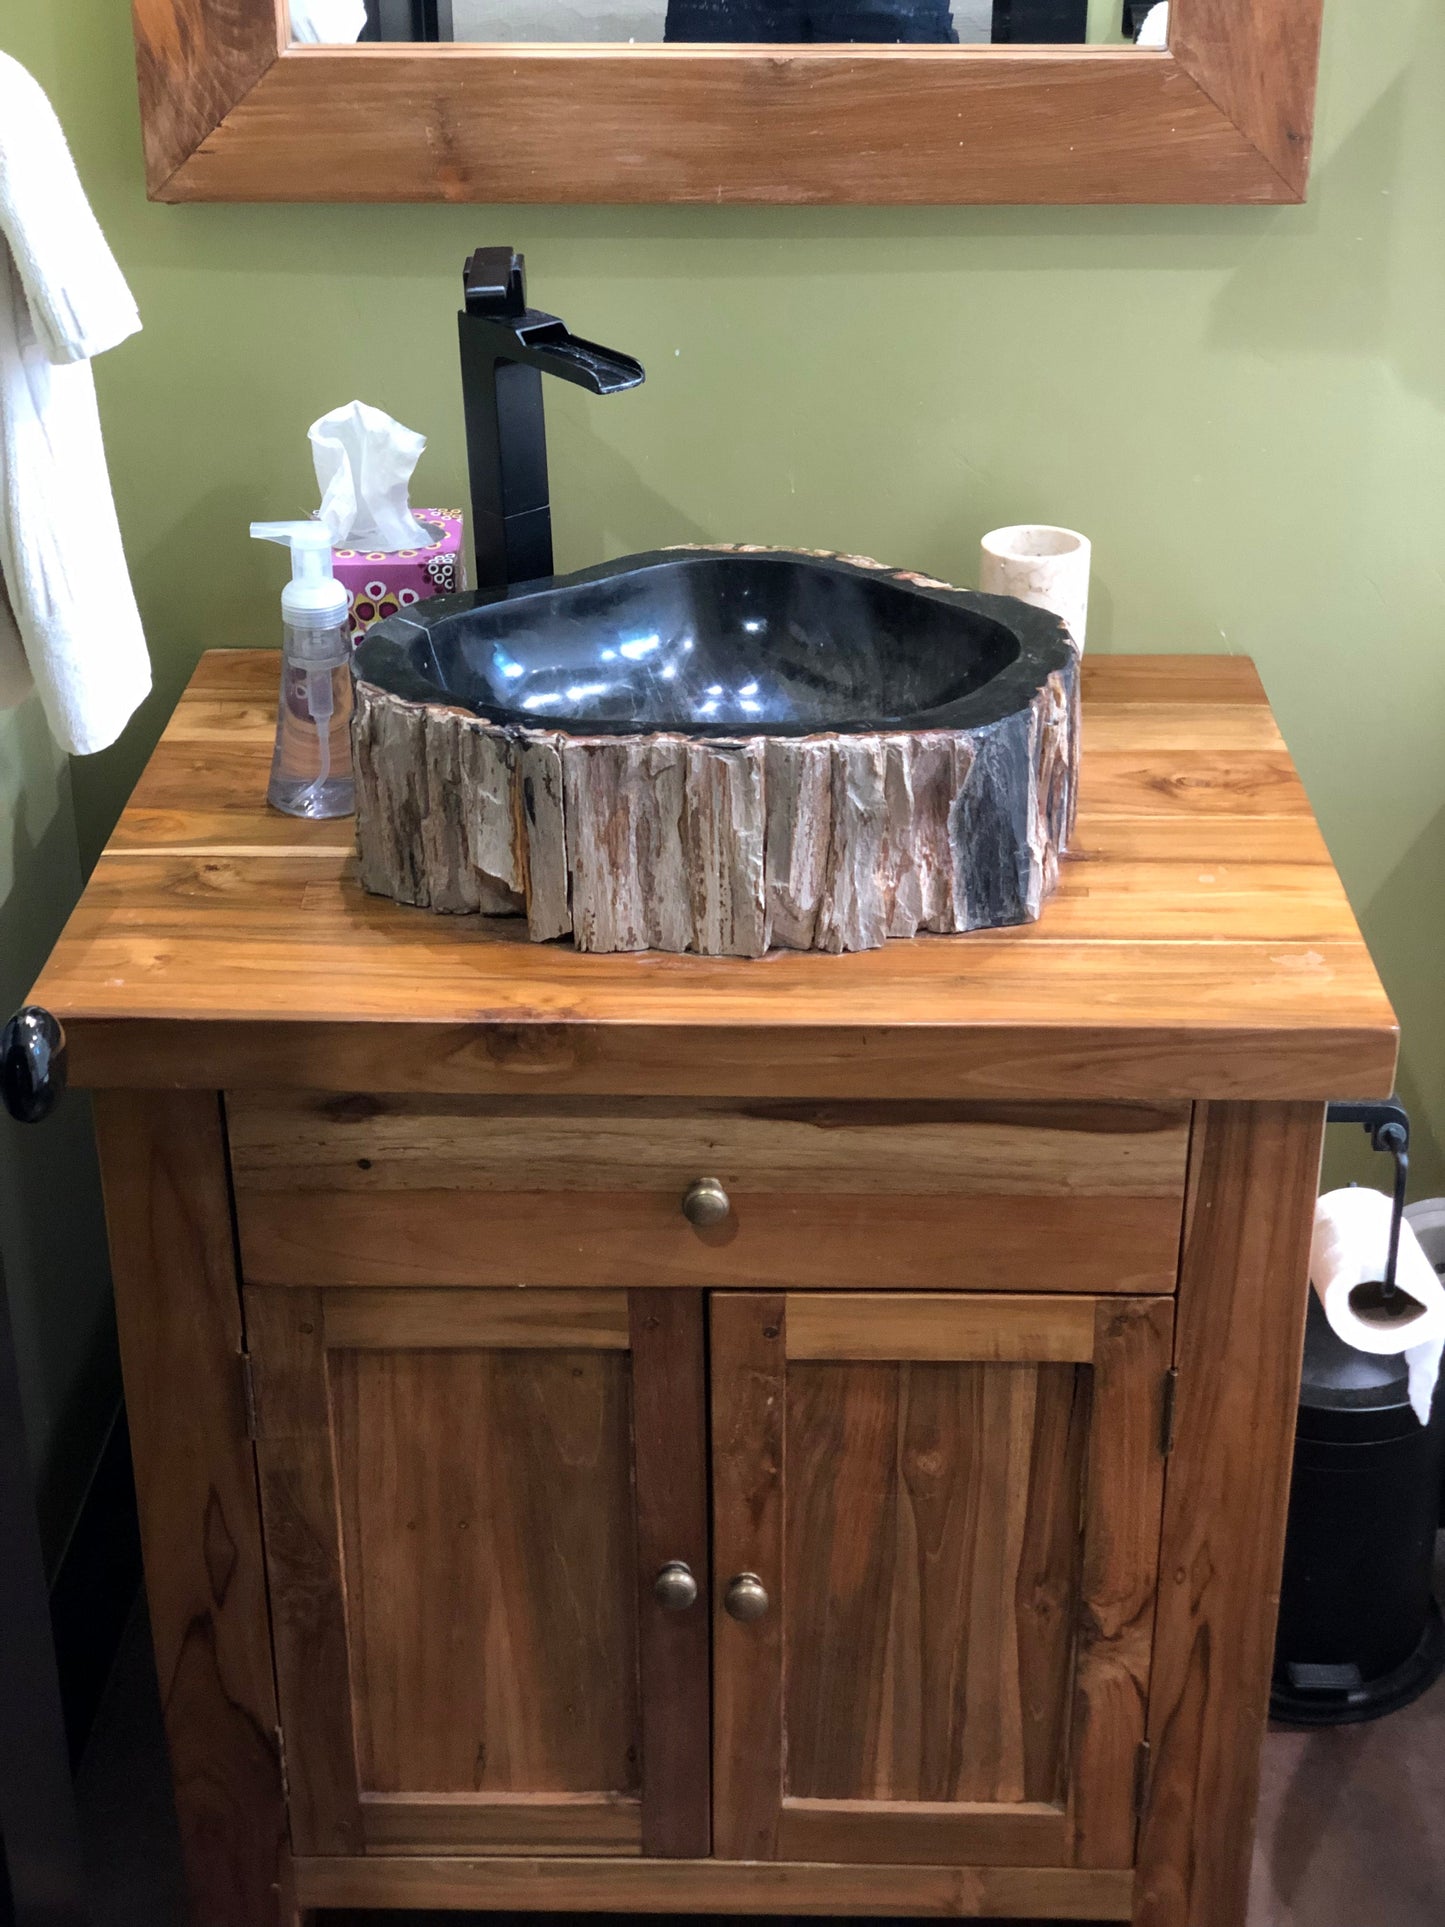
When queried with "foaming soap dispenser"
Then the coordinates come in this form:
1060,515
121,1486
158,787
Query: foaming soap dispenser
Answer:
311,770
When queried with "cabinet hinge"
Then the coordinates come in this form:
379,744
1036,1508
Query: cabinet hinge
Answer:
281,1761
248,1396
1141,1779
1167,1410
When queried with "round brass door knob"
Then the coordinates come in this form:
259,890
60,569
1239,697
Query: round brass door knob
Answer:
746,1597
705,1202
674,1588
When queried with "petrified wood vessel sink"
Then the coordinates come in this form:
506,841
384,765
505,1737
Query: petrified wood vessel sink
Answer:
719,750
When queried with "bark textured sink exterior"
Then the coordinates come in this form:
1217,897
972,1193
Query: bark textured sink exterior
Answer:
720,750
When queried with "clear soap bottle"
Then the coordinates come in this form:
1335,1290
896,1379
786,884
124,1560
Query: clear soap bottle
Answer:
311,772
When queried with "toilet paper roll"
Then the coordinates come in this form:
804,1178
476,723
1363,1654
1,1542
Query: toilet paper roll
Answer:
1045,566
1349,1248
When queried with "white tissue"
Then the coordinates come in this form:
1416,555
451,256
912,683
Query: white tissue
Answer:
1155,30
1350,1247
364,462
327,21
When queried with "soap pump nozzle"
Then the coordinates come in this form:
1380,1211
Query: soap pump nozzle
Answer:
313,598
315,678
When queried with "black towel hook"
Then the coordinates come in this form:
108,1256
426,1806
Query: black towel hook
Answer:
32,1064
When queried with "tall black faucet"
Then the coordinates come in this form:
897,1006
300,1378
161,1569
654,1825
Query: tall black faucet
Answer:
507,347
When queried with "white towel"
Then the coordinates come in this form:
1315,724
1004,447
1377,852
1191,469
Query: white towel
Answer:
79,301
60,547
333,21
16,681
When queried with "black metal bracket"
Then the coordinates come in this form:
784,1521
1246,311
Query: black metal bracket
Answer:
32,1064
1387,1124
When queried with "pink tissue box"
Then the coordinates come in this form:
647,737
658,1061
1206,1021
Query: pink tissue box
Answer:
381,581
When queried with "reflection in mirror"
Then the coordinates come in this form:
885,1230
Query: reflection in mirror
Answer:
1113,23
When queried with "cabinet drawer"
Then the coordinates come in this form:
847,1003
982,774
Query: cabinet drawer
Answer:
470,1191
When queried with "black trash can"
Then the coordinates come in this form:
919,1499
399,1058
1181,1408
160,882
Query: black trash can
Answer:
1360,1632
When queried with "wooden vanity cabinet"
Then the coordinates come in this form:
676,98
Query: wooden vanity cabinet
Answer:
970,1415
473,1475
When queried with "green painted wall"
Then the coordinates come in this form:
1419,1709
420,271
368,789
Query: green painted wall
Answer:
52,1232
1242,407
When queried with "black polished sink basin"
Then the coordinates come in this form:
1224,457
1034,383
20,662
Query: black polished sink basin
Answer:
721,643
719,750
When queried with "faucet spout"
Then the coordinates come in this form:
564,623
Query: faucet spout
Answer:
506,348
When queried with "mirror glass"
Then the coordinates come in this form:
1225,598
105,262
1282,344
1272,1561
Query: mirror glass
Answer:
1111,23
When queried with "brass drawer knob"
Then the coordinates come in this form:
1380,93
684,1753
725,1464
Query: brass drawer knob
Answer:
674,1588
705,1202
746,1597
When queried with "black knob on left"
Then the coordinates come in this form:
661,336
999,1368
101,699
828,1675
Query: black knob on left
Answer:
32,1064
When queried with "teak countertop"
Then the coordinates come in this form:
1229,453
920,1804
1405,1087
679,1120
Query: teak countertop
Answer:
1200,945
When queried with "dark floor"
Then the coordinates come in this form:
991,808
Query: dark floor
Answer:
1351,1823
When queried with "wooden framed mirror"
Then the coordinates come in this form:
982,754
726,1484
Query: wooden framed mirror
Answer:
234,109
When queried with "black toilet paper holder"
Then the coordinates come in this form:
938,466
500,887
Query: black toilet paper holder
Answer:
1387,1125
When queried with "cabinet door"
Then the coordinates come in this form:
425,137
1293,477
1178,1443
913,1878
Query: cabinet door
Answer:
952,1507
467,1496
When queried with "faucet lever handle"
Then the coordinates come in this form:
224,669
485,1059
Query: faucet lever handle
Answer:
495,280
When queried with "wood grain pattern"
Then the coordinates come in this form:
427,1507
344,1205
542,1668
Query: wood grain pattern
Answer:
628,878
462,1320
1132,901
1025,1834
906,1511
1241,1310
717,1886
546,1238
723,815
669,1427
451,1673
1119,1577
748,1367
999,1329
1184,960
561,1823
178,1309
1050,1610
194,60
373,1142
490,1654
436,802
739,124
1263,80
1212,899
545,884
1355,1050
467,1497
309,1629
376,1191
1129,782
966,1582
